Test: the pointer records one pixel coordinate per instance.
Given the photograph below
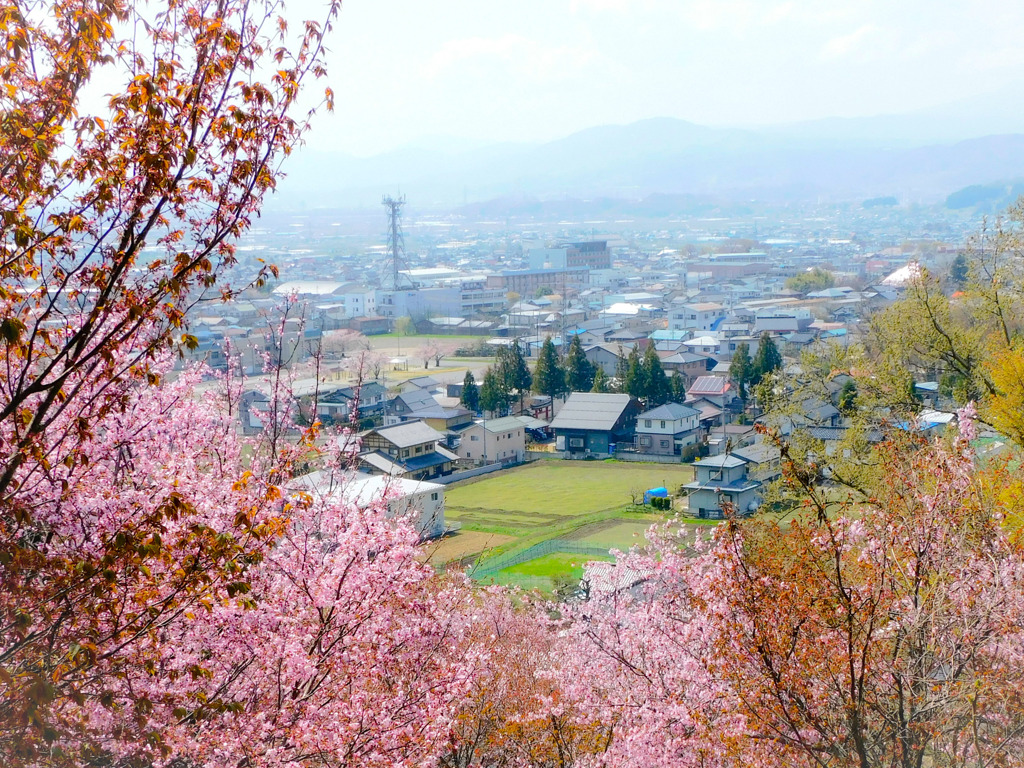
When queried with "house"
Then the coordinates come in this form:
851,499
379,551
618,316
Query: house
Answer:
605,356
690,365
370,326
420,502
494,440
696,317
337,405
733,481
440,417
665,430
703,345
591,422
411,450
405,404
428,383
253,411
715,389
723,438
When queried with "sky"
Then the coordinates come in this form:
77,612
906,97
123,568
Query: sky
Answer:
453,73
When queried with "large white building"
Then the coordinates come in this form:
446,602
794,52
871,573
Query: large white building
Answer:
695,317
421,501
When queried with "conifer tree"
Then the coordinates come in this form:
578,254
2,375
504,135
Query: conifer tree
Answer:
741,369
549,377
494,398
848,398
678,385
470,397
579,372
768,358
600,381
621,370
635,382
513,372
656,385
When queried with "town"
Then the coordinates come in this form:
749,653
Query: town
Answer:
469,352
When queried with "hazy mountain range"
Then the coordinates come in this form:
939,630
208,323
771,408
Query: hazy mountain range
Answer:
919,157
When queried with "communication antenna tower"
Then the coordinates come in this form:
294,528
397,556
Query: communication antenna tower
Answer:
393,279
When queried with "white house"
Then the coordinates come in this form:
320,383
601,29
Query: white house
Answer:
494,440
696,317
665,430
419,500
703,345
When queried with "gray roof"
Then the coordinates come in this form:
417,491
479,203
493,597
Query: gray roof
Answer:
530,422
503,424
685,357
417,399
670,412
758,453
422,382
591,410
722,461
409,434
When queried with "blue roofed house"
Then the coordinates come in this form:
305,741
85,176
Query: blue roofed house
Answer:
337,404
734,480
667,429
411,450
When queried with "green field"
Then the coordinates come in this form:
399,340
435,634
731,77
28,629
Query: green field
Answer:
589,502
542,572
621,534
555,494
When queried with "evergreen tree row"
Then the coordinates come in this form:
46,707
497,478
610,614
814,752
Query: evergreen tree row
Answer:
641,375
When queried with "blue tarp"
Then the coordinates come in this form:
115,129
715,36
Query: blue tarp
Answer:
651,493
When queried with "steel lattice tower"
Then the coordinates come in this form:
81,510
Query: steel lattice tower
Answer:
392,278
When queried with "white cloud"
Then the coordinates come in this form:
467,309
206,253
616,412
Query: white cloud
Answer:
846,45
518,55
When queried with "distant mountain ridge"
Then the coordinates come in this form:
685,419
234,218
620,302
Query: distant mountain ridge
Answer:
662,156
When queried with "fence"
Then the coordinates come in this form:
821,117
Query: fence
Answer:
465,474
491,567
648,457
542,455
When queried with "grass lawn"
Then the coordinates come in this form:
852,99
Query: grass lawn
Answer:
545,492
621,534
585,501
541,573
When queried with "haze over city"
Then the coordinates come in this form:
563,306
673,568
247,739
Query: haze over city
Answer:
457,73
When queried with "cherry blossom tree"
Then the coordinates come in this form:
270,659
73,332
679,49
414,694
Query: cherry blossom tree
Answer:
442,349
337,344
179,605
514,712
428,351
879,633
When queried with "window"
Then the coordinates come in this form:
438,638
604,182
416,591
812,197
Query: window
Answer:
664,443
474,438
433,496
647,423
663,424
419,449
645,440
575,442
